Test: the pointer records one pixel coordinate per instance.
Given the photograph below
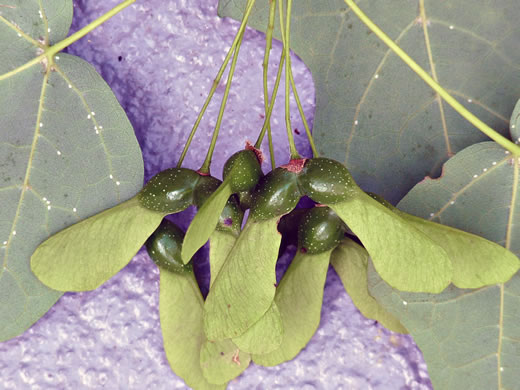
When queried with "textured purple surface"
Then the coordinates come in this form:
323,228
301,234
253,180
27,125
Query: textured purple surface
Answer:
160,58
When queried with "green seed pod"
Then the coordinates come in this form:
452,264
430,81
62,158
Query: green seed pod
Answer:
320,230
164,247
326,181
288,227
231,218
246,170
276,194
206,186
245,199
170,191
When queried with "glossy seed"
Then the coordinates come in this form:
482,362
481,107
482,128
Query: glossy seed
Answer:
164,247
326,181
244,169
231,218
320,230
276,194
206,186
170,191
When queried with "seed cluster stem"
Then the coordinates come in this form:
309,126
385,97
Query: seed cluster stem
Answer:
268,47
236,42
273,100
287,49
207,162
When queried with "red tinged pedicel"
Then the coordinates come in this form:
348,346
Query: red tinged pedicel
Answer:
295,165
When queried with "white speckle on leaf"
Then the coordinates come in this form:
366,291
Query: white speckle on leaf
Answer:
41,124
475,176
470,100
74,209
494,163
405,303
70,86
57,58
5,242
19,34
432,214
48,207
89,116
14,232
507,151
452,27
356,122
111,176
376,76
93,113
48,30
58,153
501,369
452,202
484,170
117,183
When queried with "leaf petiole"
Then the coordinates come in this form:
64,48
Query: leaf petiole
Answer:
474,120
51,51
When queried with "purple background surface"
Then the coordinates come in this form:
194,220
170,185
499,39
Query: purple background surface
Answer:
160,58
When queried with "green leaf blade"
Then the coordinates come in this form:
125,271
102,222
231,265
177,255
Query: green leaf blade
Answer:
244,288
514,123
372,112
87,254
54,168
205,221
404,256
299,298
350,261
469,338
180,309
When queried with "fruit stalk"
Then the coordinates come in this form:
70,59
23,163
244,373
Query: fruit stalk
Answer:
287,49
216,82
207,162
268,46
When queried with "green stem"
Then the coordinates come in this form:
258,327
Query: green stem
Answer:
216,82
498,138
287,48
273,100
207,162
88,28
302,114
268,47
51,51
